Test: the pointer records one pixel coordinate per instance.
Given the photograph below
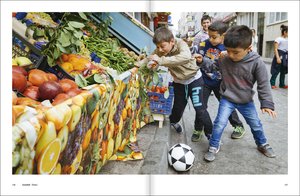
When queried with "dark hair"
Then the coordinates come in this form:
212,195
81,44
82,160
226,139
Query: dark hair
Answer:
238,37
283,29
162,34
205,17
218,26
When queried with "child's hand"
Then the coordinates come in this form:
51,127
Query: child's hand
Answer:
223,54
154,58
152,65
198,58
269,111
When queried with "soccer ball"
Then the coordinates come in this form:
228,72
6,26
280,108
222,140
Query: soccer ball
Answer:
181,157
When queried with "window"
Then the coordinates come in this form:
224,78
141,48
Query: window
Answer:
277,17
283,15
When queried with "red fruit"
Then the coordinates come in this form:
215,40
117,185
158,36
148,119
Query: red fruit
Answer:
17,69
60,98
19,82
37,77
32,92
73,92
67,85
51,77
49,90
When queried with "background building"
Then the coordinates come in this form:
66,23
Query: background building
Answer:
267,26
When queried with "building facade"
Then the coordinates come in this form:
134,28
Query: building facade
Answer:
267,26
189,23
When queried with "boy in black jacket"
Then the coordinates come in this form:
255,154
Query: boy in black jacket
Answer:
212,48
240,69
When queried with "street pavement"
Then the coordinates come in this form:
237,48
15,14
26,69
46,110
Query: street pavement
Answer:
237,156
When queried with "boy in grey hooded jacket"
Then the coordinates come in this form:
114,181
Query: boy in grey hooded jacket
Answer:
240,70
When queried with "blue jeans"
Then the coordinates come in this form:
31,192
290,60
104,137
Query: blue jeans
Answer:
248,111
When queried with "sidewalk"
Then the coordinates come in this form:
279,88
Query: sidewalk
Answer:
235,157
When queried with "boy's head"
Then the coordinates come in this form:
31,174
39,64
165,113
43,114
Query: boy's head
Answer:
238,41
205,22
216,32
164,40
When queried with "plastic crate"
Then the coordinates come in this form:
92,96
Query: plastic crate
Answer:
19,50
160,105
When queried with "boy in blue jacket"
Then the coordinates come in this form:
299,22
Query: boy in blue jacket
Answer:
241,69
211,49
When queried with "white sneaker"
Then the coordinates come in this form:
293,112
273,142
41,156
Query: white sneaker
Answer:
211,153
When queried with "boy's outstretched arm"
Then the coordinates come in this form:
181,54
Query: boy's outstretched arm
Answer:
269,111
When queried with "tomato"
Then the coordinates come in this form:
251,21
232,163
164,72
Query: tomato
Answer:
153,88
163,89
19,82
19,69
37,77
52,77
158,89
60,98
73,92
32,92
67,85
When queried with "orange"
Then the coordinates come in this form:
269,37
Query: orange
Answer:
79,64
65,57
72,55
73,60
49,157
68,67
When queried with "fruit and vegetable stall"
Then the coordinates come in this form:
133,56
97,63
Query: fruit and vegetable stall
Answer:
78,101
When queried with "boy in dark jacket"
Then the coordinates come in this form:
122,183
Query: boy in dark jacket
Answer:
240,69
212,49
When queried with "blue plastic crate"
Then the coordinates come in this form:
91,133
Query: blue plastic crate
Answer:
160,105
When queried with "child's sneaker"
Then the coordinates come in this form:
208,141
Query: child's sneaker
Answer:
197,135
211,153
267,150
177,127
238,132
285,86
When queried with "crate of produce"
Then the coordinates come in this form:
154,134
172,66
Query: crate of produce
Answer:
57,70
22,48
159,104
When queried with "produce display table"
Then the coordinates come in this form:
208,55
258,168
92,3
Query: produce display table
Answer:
79,135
